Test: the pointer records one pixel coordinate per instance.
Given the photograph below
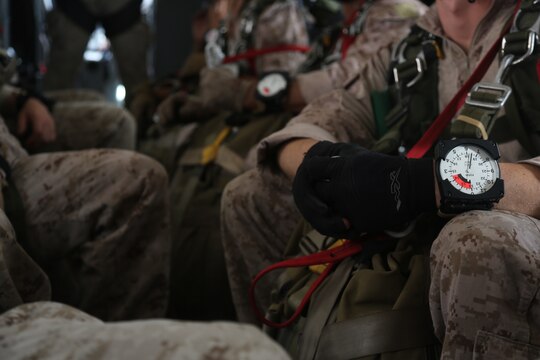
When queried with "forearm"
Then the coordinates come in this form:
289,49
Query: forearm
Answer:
521,189
291,154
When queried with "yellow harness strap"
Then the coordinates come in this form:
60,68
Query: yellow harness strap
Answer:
210,152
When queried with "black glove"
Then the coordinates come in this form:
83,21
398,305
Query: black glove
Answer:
372,191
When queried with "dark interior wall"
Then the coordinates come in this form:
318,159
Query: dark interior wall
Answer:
173,33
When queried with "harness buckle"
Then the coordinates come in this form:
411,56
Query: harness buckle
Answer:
504,91
532,41
420,65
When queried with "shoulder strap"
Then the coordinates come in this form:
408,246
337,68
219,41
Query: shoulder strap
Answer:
413,84
519,68
436,129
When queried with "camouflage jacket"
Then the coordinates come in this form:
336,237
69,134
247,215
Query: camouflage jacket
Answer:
387,22
348,116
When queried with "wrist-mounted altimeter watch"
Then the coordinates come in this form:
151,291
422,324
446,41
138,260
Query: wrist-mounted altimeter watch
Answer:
272,89
468,174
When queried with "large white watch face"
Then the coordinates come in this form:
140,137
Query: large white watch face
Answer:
470,169
271,84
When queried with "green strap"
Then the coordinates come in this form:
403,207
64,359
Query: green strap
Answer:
314,241
381,104
517,126
376,334
320,308
460,128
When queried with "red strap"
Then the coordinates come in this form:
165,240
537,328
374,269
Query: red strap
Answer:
437,127
346,42
330,257
346,39
255,53
538,69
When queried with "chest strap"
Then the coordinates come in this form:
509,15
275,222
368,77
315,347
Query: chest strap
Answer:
486,99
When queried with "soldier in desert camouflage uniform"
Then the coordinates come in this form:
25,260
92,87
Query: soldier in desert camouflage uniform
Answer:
69,26
32,326
484,294
391,18
198,271
97,221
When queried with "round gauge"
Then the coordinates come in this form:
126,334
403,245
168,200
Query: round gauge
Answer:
271,84
470,169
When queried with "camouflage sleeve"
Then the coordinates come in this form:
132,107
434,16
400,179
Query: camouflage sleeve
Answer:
282,23
341,115
337,116
10,148
21,279
534,161
387,23
50,330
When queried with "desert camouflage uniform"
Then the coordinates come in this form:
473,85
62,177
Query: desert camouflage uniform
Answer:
97,221
68,43
246,199
280,23
46,330
32,327
198,266
501,258
83,120
387,21
21,279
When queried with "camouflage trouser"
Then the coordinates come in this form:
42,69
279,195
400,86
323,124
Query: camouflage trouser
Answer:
258,216
21,279
46,330
97,222
485,290
93,124
68,43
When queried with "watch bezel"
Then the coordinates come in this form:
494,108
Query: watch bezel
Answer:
455,201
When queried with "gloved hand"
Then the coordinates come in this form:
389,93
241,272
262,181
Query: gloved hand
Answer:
372,191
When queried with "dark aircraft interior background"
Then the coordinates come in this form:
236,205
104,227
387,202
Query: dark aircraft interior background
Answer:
22,30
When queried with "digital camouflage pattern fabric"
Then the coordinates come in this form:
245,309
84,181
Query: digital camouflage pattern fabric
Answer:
48,330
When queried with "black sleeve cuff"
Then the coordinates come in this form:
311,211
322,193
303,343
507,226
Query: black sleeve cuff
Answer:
23,98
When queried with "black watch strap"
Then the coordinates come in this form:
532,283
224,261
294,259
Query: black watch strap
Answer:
274,103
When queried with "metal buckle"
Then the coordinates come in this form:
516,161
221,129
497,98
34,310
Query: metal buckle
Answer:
505,94
532,41
420,68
